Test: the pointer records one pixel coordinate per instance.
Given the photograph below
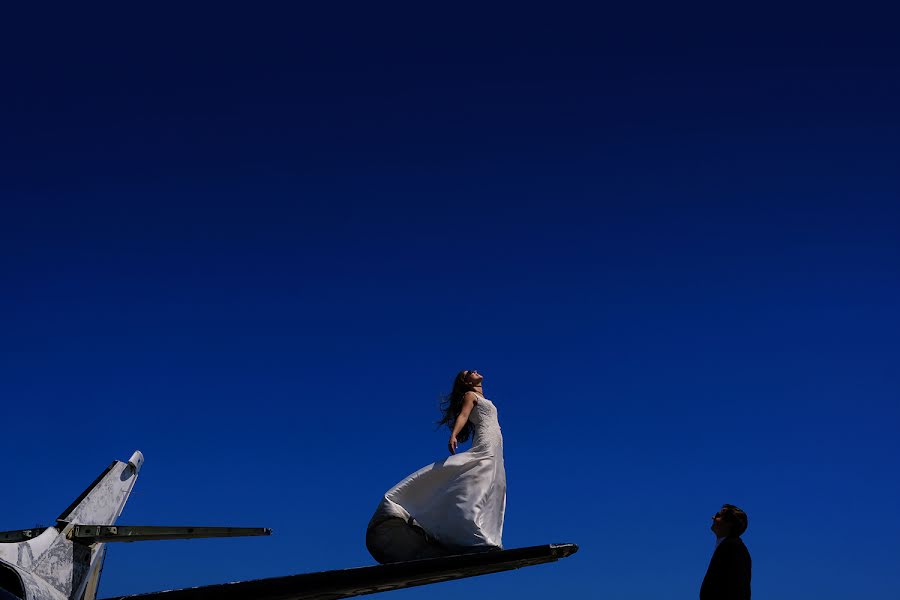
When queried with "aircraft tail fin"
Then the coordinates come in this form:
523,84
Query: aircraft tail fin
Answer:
102,502
57,557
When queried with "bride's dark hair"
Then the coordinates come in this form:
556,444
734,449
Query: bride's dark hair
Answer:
452,403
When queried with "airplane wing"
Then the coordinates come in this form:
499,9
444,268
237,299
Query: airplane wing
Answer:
346,583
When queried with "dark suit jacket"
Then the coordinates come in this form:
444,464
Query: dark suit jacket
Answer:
728,575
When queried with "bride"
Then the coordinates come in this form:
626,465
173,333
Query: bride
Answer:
457,504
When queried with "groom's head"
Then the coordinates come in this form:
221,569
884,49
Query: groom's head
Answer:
730,521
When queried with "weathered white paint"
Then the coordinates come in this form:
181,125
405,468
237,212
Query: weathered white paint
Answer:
136,461
38,589
105,502
53,567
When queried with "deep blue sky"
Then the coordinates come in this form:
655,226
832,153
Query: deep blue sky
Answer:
257,244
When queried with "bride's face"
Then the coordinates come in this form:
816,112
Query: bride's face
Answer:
474,378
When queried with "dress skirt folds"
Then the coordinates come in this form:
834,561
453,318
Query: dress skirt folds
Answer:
451,506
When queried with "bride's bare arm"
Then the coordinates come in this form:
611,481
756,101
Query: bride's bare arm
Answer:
468,403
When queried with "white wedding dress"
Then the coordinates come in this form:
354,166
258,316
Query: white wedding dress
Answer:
451,506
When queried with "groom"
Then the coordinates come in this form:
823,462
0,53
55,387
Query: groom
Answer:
728,576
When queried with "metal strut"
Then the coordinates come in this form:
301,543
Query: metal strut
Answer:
91,534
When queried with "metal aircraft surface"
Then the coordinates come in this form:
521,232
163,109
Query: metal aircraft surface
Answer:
64,562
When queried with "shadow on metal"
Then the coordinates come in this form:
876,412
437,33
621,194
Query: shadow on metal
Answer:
346,583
